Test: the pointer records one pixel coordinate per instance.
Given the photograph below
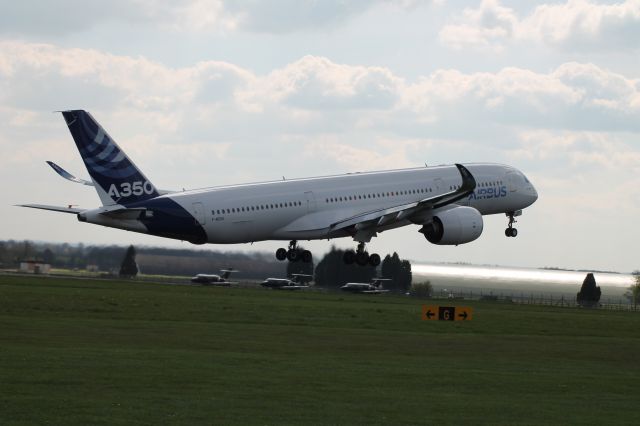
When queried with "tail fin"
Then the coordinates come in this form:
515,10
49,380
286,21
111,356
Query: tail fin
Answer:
226,273
116,178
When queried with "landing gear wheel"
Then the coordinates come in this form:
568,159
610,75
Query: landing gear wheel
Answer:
362,258
349,257
511,231
374,260
281,254
293,255
306,256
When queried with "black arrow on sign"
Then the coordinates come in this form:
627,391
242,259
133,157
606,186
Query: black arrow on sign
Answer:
430,314
463,315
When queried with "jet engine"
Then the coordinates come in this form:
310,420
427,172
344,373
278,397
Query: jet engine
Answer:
458,225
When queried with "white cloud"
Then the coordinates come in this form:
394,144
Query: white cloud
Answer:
317,83
484,27
66,17
576,24
313,97
581,22
219,101
380,154
573,96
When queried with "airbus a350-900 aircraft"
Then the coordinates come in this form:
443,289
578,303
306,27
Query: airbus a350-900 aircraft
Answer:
447,202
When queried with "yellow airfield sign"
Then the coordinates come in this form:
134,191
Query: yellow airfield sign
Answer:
446,313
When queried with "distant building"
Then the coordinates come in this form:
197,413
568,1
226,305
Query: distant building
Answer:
92,268
34,267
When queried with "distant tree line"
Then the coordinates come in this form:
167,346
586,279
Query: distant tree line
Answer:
329,272
150,260
332,272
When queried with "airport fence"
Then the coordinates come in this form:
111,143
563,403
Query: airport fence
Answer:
614,304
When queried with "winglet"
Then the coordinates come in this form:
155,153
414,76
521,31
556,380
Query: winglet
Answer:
466,188
468,181
65,174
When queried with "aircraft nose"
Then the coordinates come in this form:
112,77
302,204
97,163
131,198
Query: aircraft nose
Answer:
532,195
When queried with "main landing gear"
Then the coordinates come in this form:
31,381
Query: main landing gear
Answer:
361,257
511,231
293,254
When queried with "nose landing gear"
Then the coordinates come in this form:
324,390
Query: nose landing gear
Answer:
511,231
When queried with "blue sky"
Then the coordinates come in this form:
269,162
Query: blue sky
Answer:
206,93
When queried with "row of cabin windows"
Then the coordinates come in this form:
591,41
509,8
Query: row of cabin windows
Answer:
481,184
377,195
257,208
339,199
494,183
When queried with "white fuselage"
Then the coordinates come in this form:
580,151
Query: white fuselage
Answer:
305,208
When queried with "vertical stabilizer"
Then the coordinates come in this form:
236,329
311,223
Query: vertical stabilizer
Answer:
116,178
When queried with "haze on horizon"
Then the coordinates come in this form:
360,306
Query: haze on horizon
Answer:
202,93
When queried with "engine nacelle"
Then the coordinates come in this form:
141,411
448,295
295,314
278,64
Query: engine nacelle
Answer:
458,225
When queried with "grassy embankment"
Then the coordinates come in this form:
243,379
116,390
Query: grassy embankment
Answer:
109,352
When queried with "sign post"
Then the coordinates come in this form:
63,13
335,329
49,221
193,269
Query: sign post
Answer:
446,313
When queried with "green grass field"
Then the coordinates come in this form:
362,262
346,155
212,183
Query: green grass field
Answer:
76,351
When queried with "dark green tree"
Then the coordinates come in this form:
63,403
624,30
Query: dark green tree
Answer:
399,271
589,294
48,256
27,251
422,290
300,267
332,272
633,293
129,267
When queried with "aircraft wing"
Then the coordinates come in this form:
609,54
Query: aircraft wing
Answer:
382,217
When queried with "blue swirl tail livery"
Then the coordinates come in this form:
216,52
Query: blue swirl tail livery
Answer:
447,203
115,177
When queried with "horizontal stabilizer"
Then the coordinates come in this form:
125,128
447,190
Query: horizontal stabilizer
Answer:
65,174
68,209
